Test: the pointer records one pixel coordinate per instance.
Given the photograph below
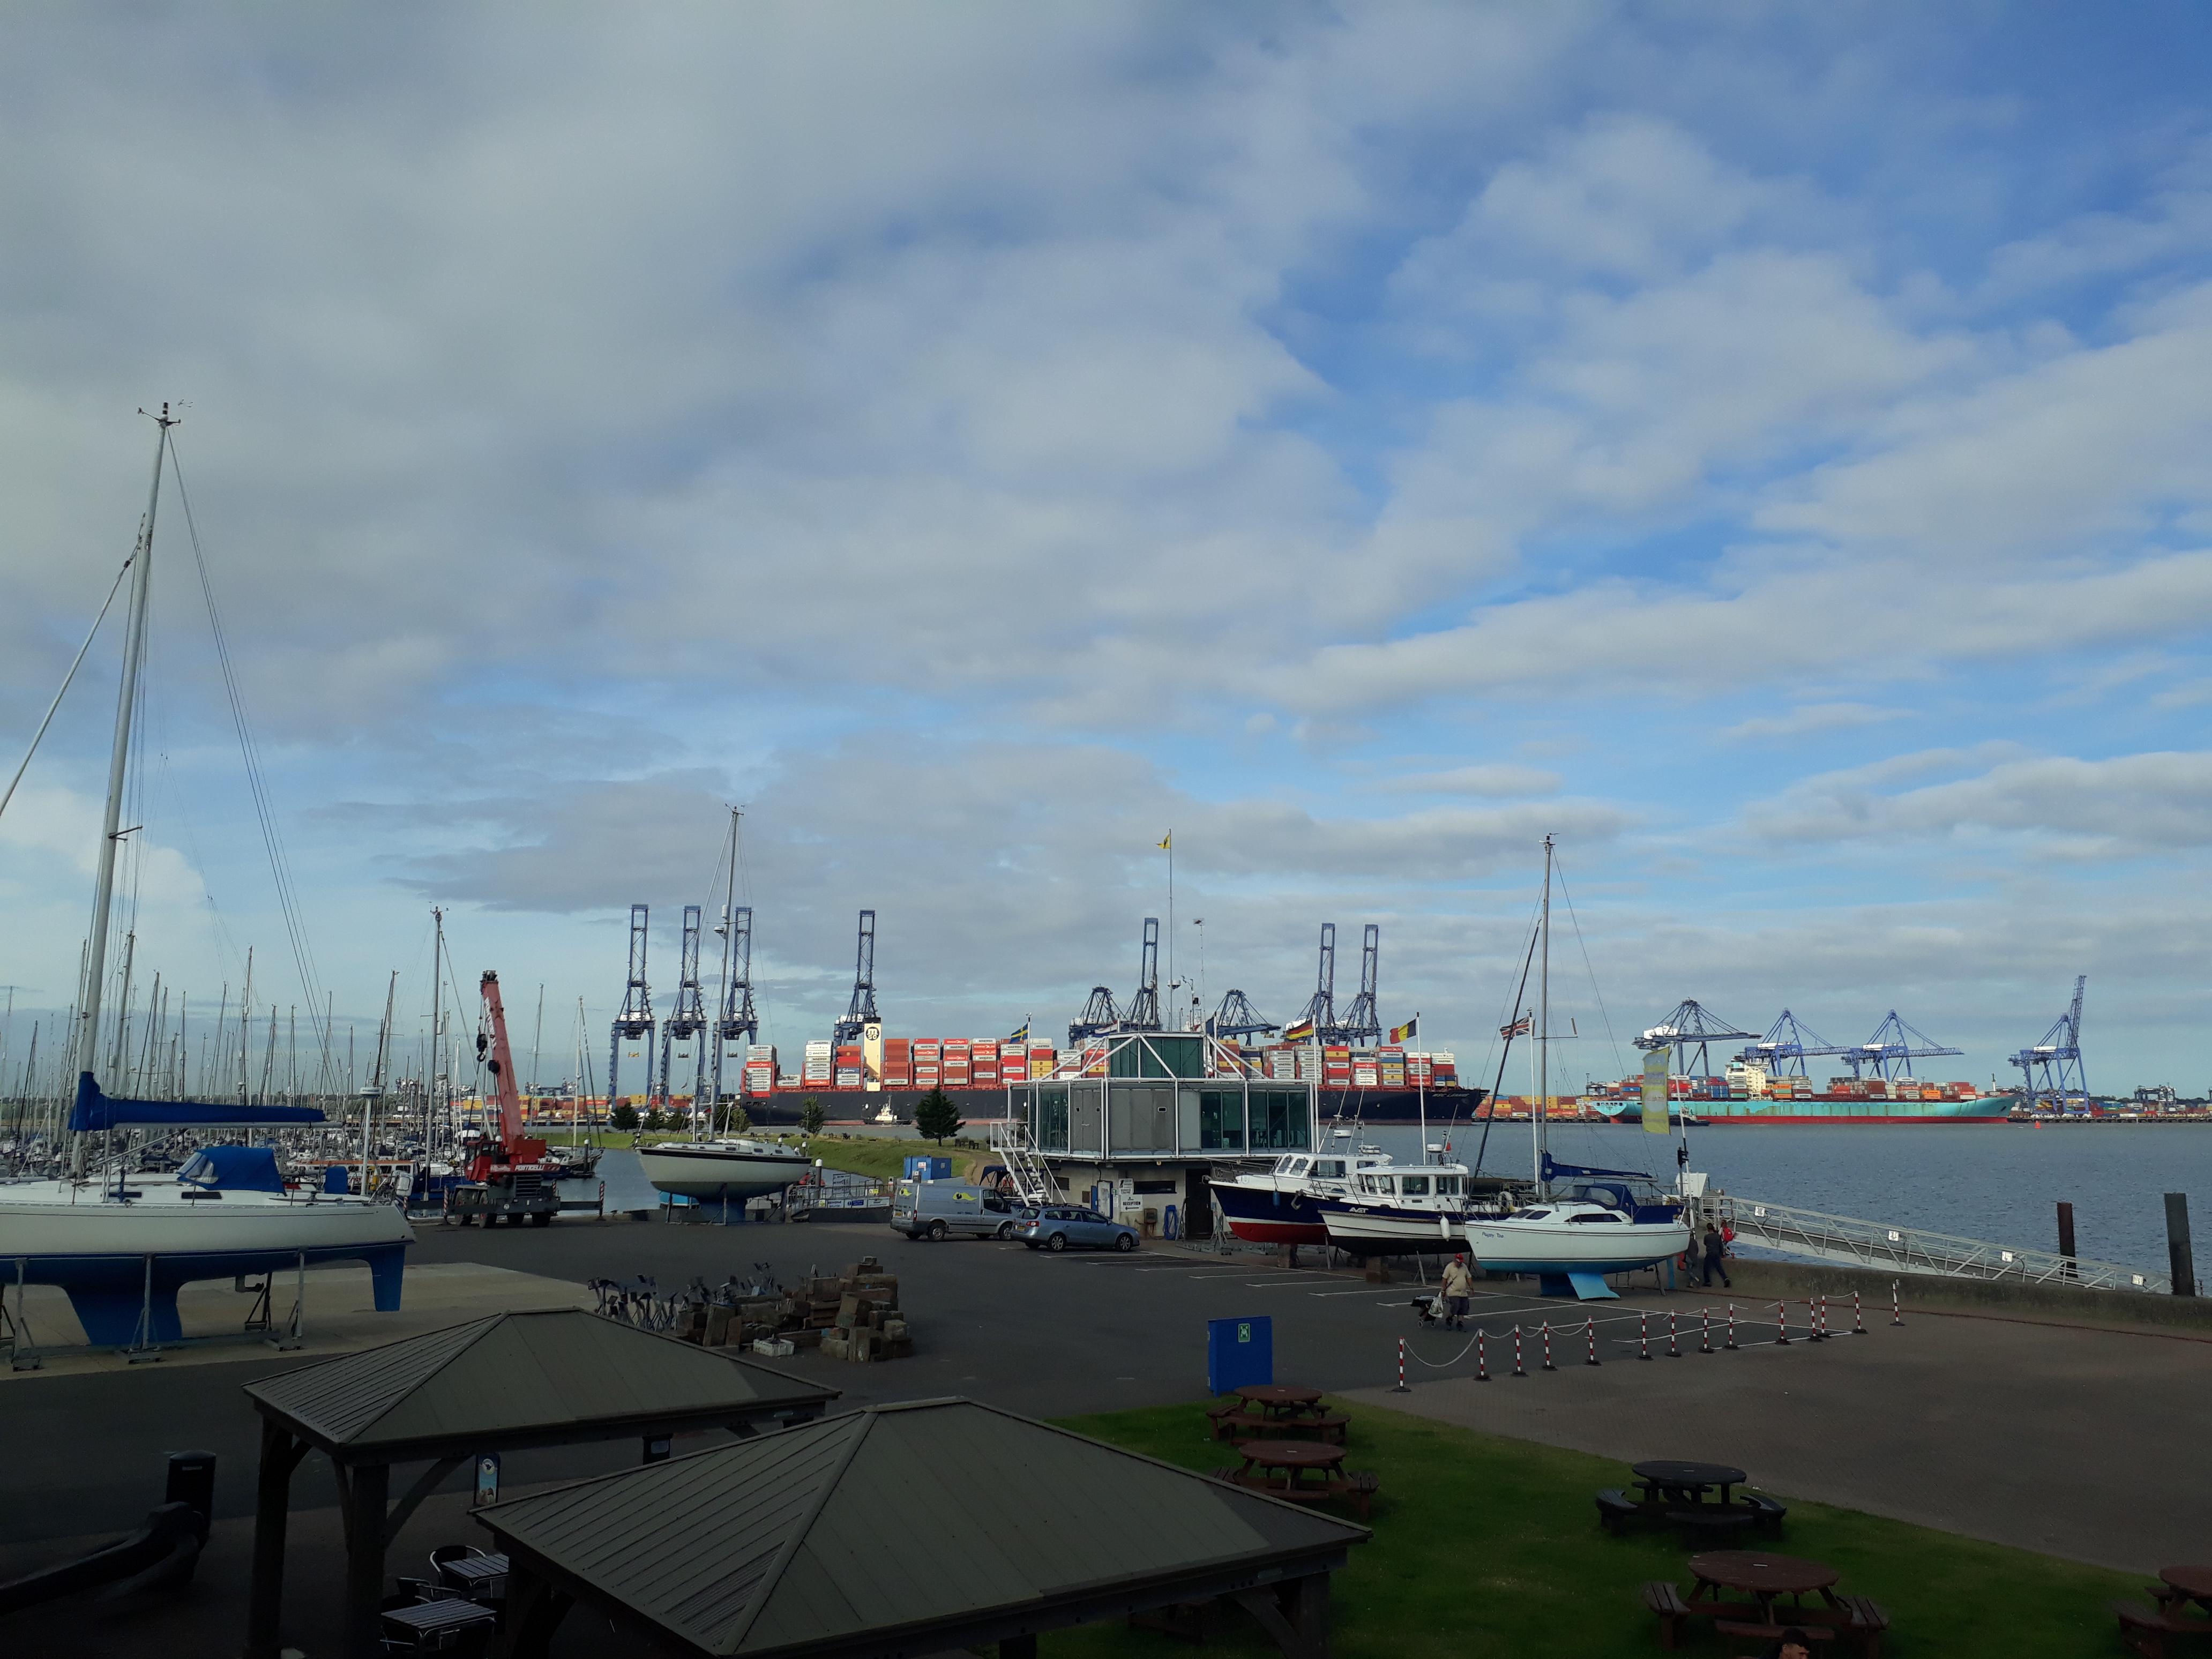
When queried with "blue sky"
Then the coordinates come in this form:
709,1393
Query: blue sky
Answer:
1764,449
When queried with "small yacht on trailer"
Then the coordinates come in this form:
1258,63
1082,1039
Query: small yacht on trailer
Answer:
1282,1204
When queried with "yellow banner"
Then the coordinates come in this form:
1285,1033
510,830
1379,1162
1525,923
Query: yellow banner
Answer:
1655,1089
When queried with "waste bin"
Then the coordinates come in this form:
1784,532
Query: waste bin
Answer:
191,1480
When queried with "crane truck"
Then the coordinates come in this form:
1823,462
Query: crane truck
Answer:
509,1176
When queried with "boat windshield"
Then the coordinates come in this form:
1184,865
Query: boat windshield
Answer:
1532,1215
1328,1169
1413,1186
1291,1166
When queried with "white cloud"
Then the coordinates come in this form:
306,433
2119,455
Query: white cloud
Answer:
1489,779
1812,718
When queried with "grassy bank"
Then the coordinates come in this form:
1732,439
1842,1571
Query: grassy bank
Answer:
1487,1547
881,1155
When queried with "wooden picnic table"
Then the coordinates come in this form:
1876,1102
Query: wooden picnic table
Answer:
1294,1458
1765,1578
1280,1399
2189,1584
1674,1484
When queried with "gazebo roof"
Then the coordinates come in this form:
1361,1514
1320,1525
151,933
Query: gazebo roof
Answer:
912,1523
516,1379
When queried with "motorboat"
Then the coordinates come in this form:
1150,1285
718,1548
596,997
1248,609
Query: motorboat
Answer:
1400,1209
722,1169
1282,1203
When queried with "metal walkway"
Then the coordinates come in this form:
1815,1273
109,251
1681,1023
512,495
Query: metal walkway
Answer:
1852,1242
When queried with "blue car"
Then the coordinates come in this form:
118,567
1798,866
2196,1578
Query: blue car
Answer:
1059,1225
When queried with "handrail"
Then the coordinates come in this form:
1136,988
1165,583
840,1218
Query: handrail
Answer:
1850,1241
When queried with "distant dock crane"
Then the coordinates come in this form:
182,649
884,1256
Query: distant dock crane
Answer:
1143,1013
736,1022
861,1012
686,1020
1361,1023
1691,1026
1893,1048
2052,1073
1787,1043
636,1019
1320,1010
1238,1017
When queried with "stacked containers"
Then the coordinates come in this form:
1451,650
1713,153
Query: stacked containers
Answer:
898,1062
818,1063
1390,1067
956,1073
928,1061
1042,1060
1336,1066
983,1062
851,1062
760,1069
1443,1070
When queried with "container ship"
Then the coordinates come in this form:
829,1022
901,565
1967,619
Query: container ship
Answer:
1748,1094
879,1078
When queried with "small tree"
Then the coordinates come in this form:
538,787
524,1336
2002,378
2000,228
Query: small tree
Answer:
811,1115
624,1117
936,1116
653,1121
740,1121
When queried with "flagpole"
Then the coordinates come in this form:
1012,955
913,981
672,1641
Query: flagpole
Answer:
1168,842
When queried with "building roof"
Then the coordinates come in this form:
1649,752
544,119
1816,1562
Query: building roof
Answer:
512,1379
917,1519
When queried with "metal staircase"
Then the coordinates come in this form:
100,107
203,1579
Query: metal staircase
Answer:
1011,1145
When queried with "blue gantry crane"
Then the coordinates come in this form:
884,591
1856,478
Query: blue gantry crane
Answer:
1320,1010
1361,1023
2051,1074
1101,1016
1893,1048
1691,1026
636,1019
861,1012
1238,1017
687,1019
736,1021
1143,1013
1788,1042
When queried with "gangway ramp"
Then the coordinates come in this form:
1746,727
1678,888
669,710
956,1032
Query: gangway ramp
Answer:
1850,1241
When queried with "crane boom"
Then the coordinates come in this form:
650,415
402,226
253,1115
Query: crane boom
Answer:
503,1112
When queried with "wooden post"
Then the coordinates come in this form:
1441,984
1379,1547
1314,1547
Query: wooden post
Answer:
2178,1251
1307,1600
534,1612
264,1604
2066,1237
365,1487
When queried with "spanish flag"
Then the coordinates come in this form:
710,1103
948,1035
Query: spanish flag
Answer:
1165,839
1406,1032
1299,1032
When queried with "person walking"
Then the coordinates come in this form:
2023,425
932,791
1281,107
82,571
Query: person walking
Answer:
1715,1251
1458,1289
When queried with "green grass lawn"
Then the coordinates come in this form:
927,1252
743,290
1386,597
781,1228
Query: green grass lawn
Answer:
882,1156
1490,1546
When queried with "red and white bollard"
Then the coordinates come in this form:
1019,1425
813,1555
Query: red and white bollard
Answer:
1519,1370
1481,1358
1896,1312
1644,1336
1591,1325
1813,1322
1548,1366
1673,1335
1858,1317
1729,1345
1401,1387
1782,1324
1705,1343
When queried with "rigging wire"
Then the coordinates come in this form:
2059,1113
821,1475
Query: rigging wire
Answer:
1575,921
74,663
1504,1054
258,784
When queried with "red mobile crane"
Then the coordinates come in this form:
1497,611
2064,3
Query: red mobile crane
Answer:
508,1174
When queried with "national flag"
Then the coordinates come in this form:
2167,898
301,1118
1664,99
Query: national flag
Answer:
1524,1026
1165,841
1022,1036
1408,1032
1299,1032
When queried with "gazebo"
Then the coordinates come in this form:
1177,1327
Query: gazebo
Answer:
904,1530
559,1377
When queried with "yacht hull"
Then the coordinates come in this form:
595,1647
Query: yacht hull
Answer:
1386,1229
121,1263
713,1172
1553,1249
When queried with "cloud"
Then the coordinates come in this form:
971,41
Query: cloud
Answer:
1812,718
1493,780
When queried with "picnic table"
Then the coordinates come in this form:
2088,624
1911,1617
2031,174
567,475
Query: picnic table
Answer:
1296,1459
1277,1408
1765,1578
1279,1400
1676,1484
2187,1585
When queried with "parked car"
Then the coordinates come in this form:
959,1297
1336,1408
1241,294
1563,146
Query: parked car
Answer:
1059,1225
944,1209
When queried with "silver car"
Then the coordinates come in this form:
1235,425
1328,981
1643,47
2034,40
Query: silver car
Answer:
1059,1225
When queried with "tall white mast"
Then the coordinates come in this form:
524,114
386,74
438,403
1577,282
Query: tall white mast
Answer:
1544,1026
103,888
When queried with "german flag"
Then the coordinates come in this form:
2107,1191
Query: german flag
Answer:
1301,1032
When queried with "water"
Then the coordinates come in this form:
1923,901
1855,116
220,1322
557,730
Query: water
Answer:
626,1186
1996,1181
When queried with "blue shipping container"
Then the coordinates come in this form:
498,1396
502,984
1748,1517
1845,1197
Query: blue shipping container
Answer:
922,1167
1239,1352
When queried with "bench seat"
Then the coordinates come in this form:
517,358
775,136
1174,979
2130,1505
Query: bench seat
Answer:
2149,1631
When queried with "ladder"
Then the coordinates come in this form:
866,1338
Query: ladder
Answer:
1011,1145
1852,1243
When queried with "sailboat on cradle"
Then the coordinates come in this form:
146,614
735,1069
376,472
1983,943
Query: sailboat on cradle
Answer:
1584,1223
120,1245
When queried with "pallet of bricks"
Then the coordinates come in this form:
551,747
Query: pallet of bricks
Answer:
858,1314
772,1325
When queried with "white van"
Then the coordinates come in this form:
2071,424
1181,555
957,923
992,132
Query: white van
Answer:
944,1209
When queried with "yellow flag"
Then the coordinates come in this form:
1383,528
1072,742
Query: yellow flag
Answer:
1165,839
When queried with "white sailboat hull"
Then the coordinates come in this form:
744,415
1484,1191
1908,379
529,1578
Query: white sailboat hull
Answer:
712,1170
1508,1244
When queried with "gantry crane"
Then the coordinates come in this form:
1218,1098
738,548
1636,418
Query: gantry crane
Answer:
1101,1016
1893,1048
861,1012
686,1020
1789,1041
1238,1017
1143,1013
736,1023
1691,1027
636,1019
1320,1010
2052,1073
1360,1024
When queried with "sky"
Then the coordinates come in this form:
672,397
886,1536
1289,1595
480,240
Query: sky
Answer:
1764,448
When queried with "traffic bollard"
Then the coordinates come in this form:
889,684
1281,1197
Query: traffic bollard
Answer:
1644,1336
1481,1358
1896,1312
1673,1335
1730,1344
1782,1324
1519,1370
1401,1387
1591,1325
1705,1344
1858,1317
1548,1366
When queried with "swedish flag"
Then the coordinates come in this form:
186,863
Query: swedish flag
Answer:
1022,1036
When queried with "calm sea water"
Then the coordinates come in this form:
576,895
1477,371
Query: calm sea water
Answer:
1996,1181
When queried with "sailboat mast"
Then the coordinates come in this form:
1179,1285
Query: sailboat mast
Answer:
437,1021
1543,1028
103,886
